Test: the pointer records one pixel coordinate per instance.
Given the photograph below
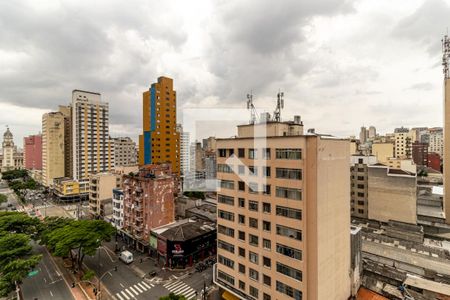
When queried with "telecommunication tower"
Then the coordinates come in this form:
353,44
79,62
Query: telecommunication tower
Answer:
251,107
280,105
446,56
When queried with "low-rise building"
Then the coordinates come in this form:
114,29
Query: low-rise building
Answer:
420,153
148,202
359,187
383,151
67,189
181,244
101,187
117,201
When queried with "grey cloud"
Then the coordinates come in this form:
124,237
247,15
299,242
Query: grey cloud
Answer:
426,25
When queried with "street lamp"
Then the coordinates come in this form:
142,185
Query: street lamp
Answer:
98,294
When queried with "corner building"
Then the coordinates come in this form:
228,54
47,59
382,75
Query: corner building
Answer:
160,140
291,238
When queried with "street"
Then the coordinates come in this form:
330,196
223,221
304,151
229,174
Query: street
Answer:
47,283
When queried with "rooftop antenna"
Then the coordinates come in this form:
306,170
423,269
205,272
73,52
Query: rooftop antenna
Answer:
280,105
251,107
446,56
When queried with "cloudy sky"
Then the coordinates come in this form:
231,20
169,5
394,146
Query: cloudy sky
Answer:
341,64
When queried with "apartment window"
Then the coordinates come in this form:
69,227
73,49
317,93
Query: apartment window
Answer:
360,194
252,187
241,169
266,207
253,257
254,292
253,240
241,285
360,202
288,153
289,173
266,297
241,235
360,186
360,161
222,168
289,232
266,189
227,184
241,219
253,274
266,153
288,193
226,215
253,171
267,244
267,262
253,223
226,261
241,152
241,268
289,271
266,226
241,252
241,185
225,246
289,251
226,230
360,169
360,211
360,177
241,202
225,199
288,290
226,277
289,212
267,280
222,152
230,152
252,153
252,205
266,171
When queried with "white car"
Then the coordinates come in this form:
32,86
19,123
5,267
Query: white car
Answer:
126,257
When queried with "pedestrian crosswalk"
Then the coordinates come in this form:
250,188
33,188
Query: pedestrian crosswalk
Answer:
37,207
180,288
132,291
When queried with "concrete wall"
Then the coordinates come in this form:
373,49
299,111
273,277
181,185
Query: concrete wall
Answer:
391,197
383,151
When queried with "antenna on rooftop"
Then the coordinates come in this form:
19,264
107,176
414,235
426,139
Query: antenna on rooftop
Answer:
251,107
279,107
446,56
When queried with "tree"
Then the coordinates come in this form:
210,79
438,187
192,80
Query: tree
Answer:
15,249
14,174
3,198
172,296
192,194
79,238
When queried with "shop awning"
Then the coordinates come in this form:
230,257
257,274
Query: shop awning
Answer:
229,296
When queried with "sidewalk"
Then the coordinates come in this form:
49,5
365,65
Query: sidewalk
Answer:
69,278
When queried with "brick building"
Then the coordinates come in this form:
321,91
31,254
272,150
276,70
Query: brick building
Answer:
32,152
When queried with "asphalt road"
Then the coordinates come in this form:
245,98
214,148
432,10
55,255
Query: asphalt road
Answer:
48,283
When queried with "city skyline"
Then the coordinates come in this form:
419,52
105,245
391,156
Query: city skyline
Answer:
325,56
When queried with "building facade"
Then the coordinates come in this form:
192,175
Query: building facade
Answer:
10,158
53,154
117,201
92,150
148,202
125,153
403,143
359,184
392,195
420,154
283,226
68,150
436,140
160,140
32,152
101,186
184,150
383,151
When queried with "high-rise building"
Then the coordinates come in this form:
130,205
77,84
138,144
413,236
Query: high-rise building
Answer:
359,184
436,138
287,238
53,154
363,135
32,152
125,153
184,150
68,154
92,150
420,153
372,133
403,143
446,148
148,202
160,141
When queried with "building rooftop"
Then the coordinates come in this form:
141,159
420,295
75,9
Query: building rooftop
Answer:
185,229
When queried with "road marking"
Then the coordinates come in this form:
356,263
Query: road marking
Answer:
142,286
129,293
133,290
190,295
137,287
51,293
45,280
125,295
122,285
144,283
110,274
118,296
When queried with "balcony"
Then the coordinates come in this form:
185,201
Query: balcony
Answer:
139,228
226,286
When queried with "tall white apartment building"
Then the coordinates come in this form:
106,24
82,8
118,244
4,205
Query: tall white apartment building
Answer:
436,144
184,150
92,149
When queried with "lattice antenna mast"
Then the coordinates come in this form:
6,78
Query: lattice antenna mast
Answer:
251,107
446,56
279,107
